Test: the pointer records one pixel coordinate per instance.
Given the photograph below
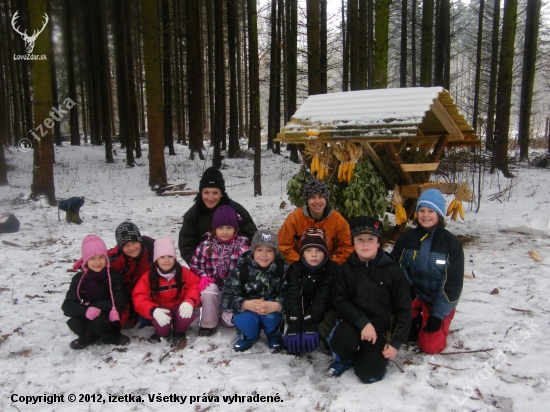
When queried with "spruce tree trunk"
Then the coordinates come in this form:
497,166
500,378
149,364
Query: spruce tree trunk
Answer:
153,91
504,87
167,77
254,76
491,105
528,75
43,154
477,82
219,133
404,38
71,76
313,42
233,96
292,67
194,91
382,23
426,45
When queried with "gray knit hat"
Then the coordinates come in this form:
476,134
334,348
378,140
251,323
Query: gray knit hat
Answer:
315,187
264,237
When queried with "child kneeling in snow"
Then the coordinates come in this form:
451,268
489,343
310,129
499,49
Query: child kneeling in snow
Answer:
212,261
308,297
372,298
432,259
96,298
168,294
254,292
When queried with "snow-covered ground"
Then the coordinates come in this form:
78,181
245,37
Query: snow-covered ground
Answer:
503,315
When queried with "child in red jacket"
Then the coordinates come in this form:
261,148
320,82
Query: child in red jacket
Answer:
168,294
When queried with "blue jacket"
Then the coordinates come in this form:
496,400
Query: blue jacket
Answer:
433,263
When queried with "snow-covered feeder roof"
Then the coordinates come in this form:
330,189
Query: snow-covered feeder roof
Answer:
381,115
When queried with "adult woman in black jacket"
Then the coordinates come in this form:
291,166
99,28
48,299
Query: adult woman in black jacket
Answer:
197,221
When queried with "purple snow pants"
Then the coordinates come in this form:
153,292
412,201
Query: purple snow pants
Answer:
180,324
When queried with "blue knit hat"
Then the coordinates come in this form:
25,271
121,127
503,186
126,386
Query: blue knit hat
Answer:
432,199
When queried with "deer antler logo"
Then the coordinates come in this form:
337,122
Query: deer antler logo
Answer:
29,40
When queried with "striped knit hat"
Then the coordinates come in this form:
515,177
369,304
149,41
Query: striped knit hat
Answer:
314,237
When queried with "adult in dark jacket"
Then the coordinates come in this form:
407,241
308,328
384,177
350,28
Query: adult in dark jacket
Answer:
96,298
433,262
308,297
197,221
372,298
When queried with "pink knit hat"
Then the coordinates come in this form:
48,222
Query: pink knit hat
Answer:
93,245
164,246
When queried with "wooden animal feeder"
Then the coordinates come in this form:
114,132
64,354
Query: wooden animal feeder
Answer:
402,125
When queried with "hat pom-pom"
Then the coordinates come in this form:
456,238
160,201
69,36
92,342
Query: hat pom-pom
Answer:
114,316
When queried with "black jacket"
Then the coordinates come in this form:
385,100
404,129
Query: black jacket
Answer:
375,292
72,307
309,292
198,220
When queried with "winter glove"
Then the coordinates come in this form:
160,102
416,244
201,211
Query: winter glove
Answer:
310,335
186,310
114,316
293,335
93,312
433,324
161,316
205,282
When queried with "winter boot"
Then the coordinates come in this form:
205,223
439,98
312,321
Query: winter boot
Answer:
337,368
207,331
243,344
121,340
275,342
154,338
178,338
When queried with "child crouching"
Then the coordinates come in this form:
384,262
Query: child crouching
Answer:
168,294
254,293
308,297
95,298
372,298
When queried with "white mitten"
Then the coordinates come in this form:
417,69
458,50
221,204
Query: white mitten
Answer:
186,310
161,316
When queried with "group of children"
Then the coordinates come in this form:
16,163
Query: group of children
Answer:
361,310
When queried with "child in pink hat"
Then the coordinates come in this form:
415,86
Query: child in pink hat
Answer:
95,298
168,294
212,261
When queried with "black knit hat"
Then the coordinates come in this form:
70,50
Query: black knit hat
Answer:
314,237
315,187
127,232
212,177
365,225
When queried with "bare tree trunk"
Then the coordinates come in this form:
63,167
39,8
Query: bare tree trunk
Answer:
291,66
528,78
233,97
219,132
71,78
323,62
477,82
167,77
362,48
194,91
413,44
255,125
504,88
382,22
345,51
354,40
426,45
273,80
43,155
404,38
153,90
491,105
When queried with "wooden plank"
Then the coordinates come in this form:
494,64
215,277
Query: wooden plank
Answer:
396,161
414,191
444,117
429,146
370,139
419,167
372,154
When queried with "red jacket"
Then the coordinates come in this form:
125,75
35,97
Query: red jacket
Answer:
167,298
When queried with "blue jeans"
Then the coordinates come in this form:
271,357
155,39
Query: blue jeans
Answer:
250,324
